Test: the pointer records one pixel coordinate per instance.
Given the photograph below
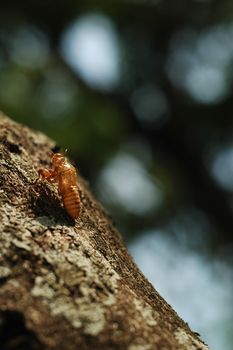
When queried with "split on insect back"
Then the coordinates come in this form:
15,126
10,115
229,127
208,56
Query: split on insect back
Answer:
65,175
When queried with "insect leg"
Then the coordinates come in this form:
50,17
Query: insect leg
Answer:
45,174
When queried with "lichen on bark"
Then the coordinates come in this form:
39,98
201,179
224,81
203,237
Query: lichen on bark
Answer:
71,284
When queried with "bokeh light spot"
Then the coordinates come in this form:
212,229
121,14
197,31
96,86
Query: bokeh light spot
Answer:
149,104
124,181
200,63
206,84
90,46
29,47
56,95
222,167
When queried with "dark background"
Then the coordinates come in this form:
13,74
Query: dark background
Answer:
140,92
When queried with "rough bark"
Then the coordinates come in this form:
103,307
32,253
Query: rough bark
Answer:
68,284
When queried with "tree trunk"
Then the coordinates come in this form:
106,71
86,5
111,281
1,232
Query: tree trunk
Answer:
68,284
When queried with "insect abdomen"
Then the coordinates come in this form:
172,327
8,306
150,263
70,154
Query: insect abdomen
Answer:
71,201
